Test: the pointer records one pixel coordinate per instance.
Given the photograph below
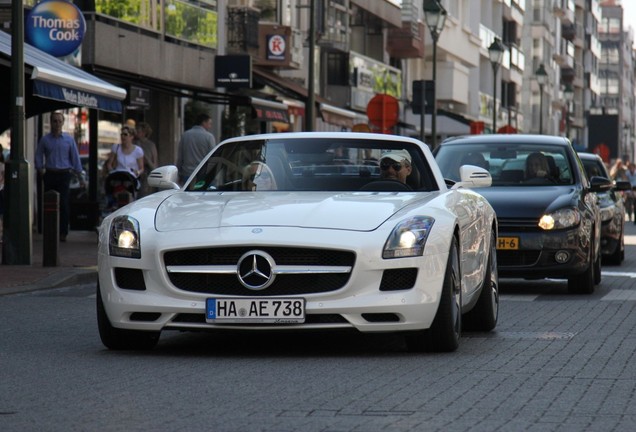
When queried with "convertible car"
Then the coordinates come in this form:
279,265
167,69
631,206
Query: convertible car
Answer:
303,231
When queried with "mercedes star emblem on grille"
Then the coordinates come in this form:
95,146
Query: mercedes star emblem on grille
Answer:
255,270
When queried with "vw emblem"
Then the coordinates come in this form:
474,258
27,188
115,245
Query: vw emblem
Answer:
255,270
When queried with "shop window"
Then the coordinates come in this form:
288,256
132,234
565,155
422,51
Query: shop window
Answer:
337,67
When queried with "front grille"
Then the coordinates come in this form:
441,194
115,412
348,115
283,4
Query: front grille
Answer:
132,279
509,258
144,316
381,317
224,283
398,279
283,285
518,225
309,319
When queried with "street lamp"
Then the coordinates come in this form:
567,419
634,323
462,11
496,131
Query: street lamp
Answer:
568,95
435,16
542,79
495,52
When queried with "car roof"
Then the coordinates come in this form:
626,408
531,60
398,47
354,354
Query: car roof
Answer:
508,139
333,135
590,156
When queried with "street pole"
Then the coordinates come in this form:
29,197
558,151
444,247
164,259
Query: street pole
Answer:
494,100
422,111
540,109
434,112
311,92
17,244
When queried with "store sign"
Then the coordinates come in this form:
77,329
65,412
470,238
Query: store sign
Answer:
139,96
56,27
233,71
276,47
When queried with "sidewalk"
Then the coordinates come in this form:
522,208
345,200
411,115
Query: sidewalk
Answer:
77,264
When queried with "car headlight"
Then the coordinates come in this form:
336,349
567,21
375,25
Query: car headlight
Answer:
408,238
123,239
560,219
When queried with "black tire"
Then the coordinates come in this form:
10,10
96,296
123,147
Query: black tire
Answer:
597,269
119,339
483,317
617,257
444,334
584,283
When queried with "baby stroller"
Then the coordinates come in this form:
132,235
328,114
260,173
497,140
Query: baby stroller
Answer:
120,188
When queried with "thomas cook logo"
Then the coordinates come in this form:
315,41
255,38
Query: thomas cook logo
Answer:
56,27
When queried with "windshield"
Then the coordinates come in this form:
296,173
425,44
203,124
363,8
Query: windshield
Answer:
509,165
315,164
594,167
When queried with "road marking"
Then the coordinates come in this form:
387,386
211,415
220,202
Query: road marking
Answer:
619,274
520,297
622,295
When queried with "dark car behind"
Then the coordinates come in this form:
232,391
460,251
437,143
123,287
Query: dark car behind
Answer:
549,227
612,210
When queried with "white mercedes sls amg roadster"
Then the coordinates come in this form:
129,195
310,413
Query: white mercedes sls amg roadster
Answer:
301,231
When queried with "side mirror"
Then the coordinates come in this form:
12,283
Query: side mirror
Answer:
600,184
165,177
472,176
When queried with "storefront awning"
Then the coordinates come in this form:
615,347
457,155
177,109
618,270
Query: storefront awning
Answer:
337,116
59,81
269,111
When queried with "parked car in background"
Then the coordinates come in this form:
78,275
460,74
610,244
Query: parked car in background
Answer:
303,231
547,209
612,209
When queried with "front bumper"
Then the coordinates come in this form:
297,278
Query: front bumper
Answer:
149,300
536,256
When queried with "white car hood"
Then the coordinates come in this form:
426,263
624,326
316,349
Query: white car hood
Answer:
358,211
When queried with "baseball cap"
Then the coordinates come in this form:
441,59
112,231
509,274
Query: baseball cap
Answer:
397,155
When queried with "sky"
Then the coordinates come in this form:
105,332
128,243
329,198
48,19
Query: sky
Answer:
629,11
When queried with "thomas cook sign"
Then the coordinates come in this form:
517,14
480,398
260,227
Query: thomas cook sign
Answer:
56,27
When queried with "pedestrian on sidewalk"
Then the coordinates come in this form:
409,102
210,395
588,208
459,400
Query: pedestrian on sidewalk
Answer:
143,133
195,143
56,158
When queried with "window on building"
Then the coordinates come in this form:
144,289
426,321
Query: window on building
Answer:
337,67
192,21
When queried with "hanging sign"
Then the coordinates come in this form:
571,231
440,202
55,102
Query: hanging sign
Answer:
56,27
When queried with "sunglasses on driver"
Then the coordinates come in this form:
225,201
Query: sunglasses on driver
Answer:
385,165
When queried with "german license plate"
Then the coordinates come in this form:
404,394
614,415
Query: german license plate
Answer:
255,310
508,243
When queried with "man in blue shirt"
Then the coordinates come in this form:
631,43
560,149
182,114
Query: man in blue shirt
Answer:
56,157
195,143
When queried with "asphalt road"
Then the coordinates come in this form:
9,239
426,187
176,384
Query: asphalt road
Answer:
556,362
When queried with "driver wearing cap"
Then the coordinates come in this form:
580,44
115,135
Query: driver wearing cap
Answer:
395,165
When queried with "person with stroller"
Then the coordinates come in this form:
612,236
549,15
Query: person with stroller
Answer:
124,166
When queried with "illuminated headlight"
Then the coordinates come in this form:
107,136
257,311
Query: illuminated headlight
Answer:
560,219
408,238
123,239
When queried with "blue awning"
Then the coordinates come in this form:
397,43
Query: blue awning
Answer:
57,80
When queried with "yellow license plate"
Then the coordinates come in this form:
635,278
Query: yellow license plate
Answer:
508,243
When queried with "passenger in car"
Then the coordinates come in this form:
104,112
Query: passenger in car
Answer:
258,176
536,166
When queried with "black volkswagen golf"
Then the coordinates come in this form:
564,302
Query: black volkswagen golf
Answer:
547,208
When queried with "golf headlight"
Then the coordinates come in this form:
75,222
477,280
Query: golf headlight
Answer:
560,219
408,238
123,239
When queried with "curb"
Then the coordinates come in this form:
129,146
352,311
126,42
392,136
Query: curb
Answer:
84,275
